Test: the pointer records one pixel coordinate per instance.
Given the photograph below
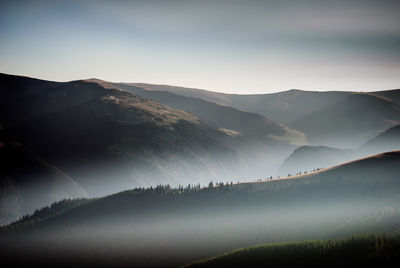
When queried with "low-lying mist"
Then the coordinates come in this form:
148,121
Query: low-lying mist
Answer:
164,226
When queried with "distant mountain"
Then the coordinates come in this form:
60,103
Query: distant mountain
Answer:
350,122
169,227
109,140
27,182
245,123
259,140
308,158
287,106
263,142
386,141
320,115
282,107
216,97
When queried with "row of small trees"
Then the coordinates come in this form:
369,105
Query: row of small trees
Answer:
159,189
167,189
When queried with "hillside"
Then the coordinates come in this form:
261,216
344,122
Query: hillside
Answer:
387,140
360,251
109,140
350,122
308,158
177,226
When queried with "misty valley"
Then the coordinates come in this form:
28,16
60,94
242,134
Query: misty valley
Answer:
132,174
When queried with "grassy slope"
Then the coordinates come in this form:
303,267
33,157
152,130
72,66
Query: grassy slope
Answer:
359,251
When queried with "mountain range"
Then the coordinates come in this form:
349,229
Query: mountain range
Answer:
99,137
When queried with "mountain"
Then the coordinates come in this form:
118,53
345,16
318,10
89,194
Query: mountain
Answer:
169,227
27,182
308,158
387,140
282,107
320,115
263,142
109,140
351,122
225,117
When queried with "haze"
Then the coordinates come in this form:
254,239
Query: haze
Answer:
226,46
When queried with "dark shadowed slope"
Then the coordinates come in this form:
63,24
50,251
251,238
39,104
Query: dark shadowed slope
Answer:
108,139
170,227
350,122
308,158
27,182
387,140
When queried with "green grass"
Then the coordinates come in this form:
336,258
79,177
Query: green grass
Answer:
358,251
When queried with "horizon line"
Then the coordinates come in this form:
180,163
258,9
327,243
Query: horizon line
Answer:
193,87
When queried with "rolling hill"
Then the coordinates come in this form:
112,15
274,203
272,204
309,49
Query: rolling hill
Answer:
164,226
282,107
349,123
387,140
359,251
308,158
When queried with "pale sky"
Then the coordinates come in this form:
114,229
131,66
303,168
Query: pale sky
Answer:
227,46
